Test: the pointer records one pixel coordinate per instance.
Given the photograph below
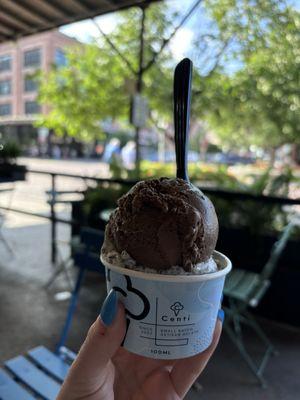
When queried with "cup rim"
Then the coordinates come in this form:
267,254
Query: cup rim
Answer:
217,256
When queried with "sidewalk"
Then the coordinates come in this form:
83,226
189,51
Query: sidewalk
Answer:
30,316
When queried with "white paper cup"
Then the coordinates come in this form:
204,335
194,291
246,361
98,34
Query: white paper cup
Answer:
169,316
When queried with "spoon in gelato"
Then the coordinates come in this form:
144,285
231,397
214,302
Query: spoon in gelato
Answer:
162,224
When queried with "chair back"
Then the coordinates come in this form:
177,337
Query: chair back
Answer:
263,279
87,254
276,251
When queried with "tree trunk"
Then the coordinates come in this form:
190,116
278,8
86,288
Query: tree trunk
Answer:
295,154
272,156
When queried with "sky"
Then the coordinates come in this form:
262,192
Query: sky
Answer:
179,45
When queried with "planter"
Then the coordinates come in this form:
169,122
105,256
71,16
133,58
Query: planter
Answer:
88,212
12,172
92,220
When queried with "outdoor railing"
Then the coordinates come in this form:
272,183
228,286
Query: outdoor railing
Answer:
224,194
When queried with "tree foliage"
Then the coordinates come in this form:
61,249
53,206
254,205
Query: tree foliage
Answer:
80,95
97,83
258,103
246,80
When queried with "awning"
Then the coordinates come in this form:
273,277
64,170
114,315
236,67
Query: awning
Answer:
24,17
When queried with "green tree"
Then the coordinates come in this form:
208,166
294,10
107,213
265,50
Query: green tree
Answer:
80,95
246,74
259,102
97,83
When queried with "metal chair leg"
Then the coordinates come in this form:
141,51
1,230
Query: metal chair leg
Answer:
55,275
6,244
66,271
71,310
238,314
62,267
237,341
235,318
2,220
256,327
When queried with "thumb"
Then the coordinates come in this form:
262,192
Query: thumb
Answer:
103,340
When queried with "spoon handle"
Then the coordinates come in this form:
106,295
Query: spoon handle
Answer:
182,102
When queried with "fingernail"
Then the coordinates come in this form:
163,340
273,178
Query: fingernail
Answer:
109,308
221,315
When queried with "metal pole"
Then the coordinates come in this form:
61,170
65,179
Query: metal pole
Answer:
139,88
53,219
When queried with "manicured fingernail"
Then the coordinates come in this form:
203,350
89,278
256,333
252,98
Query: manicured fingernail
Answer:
109,308
221,315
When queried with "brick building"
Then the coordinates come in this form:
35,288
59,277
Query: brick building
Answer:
18,91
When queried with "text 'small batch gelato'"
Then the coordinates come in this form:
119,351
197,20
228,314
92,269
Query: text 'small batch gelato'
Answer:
159,256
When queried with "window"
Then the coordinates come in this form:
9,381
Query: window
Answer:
5,63
5,109
32,107
5,87
32,58
30,84
60,58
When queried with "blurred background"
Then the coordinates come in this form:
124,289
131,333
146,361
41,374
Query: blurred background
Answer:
86,110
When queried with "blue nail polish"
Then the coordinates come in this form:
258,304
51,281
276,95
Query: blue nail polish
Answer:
109,308
221,315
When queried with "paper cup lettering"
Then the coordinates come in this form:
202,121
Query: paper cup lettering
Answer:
169,316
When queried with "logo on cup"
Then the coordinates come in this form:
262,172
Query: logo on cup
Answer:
176,307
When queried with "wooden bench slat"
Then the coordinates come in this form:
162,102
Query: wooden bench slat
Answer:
11,390
49,362
33,377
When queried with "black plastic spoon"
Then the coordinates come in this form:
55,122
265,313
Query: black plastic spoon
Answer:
182,102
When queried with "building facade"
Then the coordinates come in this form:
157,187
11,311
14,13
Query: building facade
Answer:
19,60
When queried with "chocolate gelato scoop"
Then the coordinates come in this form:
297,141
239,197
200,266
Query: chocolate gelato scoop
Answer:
164,222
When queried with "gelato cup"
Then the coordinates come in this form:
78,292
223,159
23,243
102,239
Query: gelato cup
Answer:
168,316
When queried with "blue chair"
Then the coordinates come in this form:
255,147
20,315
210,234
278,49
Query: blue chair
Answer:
39,374
86,257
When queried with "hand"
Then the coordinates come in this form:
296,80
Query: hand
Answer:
105,371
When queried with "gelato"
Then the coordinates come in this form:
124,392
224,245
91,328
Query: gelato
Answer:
163,223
